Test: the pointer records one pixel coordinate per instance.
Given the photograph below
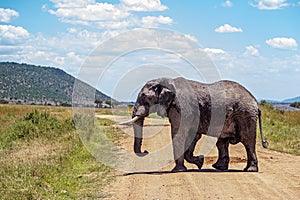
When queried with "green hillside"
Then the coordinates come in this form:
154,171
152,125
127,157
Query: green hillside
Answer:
30,84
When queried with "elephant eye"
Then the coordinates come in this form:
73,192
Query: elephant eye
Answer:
144,99
156,88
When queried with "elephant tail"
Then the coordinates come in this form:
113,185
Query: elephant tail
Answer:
263,141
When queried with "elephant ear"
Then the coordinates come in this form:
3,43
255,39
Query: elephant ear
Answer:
165,98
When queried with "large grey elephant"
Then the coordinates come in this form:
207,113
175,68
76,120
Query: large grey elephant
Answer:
224,109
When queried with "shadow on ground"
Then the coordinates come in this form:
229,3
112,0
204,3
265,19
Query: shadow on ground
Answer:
188,171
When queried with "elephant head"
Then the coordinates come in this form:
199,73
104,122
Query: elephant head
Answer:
156,96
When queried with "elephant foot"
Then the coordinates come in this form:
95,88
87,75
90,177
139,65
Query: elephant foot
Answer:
220,167
221,164
197,160
178,168
251,168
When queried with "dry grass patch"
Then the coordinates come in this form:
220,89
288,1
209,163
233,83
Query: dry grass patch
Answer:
42,157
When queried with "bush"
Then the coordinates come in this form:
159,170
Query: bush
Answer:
267,105
2,101
65,104
295,105
42,157
35,124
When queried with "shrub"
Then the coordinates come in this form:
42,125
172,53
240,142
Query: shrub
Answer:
2,101
295,105
35,124
267,105
65,104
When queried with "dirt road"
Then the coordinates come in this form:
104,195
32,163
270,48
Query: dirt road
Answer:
278,176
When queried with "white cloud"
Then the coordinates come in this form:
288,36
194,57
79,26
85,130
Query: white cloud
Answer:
270,4
108,16
251,50
66,50
72,4
91,12
283,43
69,61
226,28
143,5
254,72
109,34
227,4
214,51
122,24
152,21
7,14
190,37
11,35
9,50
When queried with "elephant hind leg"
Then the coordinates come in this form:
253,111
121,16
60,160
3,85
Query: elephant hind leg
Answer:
252,165
223,159
248,139
189,153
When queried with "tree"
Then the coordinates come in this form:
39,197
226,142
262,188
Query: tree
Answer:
295,104
98,103
3,101
65,104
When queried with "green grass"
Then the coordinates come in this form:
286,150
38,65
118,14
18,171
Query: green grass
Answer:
42,157
282,129
120,111
35,125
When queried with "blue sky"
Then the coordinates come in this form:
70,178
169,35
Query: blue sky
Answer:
253,42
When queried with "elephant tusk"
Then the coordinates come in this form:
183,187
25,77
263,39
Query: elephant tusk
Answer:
130,122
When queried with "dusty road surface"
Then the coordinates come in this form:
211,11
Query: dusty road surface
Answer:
278,176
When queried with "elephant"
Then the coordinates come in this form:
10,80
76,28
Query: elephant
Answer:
195,108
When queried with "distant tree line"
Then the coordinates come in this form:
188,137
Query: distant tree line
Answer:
265,103
3,101
295,104
106,104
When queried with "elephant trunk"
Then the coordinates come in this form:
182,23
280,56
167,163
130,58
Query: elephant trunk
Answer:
138,137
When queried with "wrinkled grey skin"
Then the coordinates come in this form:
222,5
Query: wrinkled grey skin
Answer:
188,105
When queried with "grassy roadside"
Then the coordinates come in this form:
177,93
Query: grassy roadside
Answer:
281,129
42,157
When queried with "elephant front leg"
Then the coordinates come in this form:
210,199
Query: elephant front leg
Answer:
223,159
178,150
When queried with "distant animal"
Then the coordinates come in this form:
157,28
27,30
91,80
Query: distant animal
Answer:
189,105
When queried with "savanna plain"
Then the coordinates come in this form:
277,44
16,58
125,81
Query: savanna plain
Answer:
42,157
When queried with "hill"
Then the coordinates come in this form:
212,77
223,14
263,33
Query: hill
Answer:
30,84
292,100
